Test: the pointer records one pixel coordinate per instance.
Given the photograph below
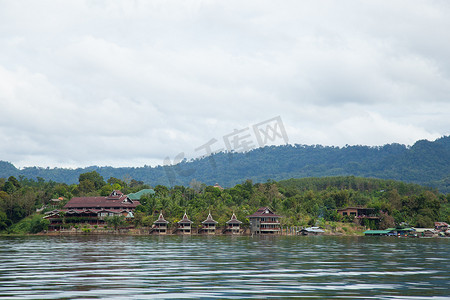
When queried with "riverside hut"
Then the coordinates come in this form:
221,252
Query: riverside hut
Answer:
233,225
184,225
160,225
209,225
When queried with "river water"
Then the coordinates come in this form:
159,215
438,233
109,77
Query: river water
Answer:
223,267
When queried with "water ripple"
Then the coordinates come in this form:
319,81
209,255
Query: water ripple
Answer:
171,267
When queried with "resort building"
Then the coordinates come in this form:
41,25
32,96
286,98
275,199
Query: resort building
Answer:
233,226
209,225
184,225
92,210
159,226
264,221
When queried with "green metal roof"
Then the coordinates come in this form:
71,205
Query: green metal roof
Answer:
138,195
401,229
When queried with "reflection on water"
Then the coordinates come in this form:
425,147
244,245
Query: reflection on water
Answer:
173,267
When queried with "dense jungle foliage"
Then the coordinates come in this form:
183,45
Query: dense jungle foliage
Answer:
426,163
301,202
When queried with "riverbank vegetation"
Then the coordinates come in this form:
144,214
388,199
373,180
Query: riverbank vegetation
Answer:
301,202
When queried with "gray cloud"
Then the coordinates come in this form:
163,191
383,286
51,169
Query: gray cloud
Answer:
131,82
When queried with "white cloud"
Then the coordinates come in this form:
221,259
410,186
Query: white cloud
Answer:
129,83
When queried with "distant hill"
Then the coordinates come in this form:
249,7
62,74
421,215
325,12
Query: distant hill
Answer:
426,163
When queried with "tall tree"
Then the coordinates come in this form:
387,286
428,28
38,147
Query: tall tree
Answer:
94,177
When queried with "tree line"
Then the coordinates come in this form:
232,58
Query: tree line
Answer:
301,202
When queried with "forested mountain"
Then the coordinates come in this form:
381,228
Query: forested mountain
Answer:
425,163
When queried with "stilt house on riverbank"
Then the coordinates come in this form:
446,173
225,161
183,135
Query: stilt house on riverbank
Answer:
208,226
184,226
159,226
233,226
264,221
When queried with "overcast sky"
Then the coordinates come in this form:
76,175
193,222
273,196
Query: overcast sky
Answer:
128,83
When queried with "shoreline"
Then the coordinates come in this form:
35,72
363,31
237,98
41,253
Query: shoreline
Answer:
140,233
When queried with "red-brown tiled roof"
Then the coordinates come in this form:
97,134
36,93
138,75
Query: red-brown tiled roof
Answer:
264,212
161,220
209,220
92,211
185,219
115,200
440,224
233,220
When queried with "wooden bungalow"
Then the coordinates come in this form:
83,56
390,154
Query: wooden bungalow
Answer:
264,221
184,225
160,226
208,226
233,226
358,212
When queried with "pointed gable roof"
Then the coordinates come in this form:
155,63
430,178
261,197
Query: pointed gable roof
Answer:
161,220
264,212
234,220
209,220
115,195
185,219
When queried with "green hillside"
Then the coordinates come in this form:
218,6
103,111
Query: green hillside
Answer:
426,163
